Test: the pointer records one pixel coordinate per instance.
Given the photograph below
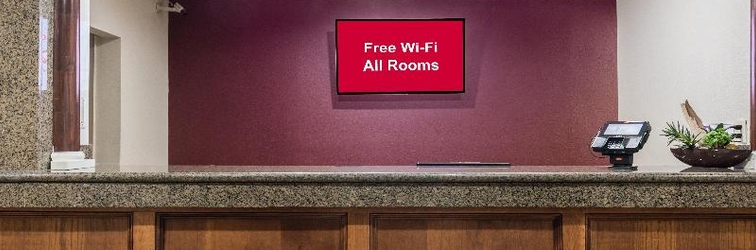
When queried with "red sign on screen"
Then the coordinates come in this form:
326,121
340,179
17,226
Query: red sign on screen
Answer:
400,56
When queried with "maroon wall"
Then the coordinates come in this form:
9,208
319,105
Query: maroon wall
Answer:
252,83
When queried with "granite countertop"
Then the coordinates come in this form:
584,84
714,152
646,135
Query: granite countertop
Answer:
393,174
383,186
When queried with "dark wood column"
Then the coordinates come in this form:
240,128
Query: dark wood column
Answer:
65,77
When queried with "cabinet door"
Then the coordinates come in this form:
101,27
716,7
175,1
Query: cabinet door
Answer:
252,231
465,231
65,231
671,232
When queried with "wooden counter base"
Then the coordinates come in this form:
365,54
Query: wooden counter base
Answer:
380,229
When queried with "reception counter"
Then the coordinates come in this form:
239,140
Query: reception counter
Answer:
385,187
381,208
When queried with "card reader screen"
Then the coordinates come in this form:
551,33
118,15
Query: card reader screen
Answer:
623,129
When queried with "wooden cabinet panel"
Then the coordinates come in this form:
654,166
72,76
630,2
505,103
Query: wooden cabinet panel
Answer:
49,231
671,232
263,231
465,231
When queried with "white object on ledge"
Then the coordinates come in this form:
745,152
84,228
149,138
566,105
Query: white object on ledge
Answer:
71,161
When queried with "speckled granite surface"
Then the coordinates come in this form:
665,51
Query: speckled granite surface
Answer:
45,104
390,174
87,149
25,110
19,96
267,187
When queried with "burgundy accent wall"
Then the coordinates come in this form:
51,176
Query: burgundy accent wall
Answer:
253,83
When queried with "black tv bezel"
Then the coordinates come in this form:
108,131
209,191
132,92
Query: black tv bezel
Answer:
336,55
646,126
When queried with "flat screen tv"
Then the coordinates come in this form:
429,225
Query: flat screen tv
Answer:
400,56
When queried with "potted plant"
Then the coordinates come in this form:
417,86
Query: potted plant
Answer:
713,149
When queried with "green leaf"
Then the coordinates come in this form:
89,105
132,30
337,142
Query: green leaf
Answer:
676,132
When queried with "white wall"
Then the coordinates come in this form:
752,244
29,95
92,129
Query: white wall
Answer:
107,95
672,50
144,79
84,70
